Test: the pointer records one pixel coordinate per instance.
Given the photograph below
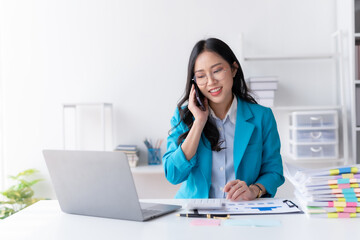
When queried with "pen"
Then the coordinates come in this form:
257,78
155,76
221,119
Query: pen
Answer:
195,215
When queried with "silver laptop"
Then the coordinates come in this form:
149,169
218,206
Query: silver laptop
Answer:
98,184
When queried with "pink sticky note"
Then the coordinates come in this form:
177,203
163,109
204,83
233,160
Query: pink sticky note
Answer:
350,210
343,215
342,186
205,222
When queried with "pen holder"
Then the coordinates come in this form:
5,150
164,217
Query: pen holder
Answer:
154,156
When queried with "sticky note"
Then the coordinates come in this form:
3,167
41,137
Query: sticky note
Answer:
345,170
205,222
343,180
348,175
334,172
339,204
341,215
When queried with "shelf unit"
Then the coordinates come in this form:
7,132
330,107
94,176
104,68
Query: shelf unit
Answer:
340,106
355,36
348,19
88,126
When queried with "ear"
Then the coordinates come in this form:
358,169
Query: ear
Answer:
234,68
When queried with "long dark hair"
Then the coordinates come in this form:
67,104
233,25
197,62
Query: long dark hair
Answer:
239,88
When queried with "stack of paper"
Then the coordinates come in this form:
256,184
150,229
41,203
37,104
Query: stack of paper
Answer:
263,89
131,152
327,192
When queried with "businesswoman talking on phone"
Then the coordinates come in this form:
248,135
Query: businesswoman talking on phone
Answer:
224,144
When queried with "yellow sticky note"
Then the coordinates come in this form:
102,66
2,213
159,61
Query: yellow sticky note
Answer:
347,175
339,209
332,215
339,204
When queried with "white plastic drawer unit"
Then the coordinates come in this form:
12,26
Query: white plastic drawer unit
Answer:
314,119
314,151
313,135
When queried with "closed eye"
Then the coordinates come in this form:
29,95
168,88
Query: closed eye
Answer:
218,70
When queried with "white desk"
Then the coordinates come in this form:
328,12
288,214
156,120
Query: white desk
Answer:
44,220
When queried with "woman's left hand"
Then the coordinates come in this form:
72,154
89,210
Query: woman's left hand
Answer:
239,190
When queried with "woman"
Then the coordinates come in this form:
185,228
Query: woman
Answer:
229,148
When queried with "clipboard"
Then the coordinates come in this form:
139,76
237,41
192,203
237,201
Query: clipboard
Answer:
261,206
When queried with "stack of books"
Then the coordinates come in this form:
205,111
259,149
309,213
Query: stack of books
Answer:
263,89
327,192
131,152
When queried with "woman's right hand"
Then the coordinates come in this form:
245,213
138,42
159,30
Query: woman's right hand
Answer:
199,115
191,143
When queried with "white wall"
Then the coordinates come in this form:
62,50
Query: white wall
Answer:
134,54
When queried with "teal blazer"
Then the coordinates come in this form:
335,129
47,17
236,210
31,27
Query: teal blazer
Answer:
256,154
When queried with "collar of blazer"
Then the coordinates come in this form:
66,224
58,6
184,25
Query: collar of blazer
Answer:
243,132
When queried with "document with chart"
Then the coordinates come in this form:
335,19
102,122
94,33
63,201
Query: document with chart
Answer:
257,206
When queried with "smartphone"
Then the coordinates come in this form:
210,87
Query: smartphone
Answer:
199,97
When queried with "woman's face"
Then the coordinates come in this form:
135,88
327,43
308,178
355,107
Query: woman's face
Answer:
219,75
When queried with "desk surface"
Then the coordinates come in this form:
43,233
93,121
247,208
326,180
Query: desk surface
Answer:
44,220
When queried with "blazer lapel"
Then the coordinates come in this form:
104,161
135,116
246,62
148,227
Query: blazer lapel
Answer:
243,132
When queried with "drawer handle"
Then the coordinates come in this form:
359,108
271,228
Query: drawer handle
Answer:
315,118
314,149
315,135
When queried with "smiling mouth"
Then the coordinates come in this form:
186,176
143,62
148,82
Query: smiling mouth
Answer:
215,90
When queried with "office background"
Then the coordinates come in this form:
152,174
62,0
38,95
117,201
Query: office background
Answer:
134,54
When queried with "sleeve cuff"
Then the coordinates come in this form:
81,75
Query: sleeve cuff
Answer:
270,188
182,162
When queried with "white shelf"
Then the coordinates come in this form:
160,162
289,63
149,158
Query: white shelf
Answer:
289,159
357,35
290,57
302,108
148,169
357,81
357,129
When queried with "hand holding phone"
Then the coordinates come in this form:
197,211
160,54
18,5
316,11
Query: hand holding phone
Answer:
199,97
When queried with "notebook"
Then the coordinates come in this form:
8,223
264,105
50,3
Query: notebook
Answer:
98,184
